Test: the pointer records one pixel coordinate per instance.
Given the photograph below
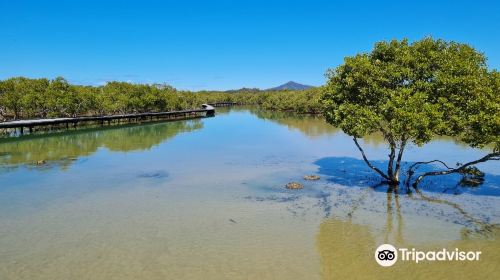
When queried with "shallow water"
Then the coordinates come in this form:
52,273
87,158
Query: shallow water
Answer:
205,199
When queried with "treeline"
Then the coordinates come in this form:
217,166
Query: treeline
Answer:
23,98
301,101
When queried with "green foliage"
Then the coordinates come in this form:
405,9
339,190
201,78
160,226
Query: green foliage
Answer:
42,98
304,101
471,177
411,92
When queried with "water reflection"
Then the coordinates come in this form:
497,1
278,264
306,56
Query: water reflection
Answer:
161,214
313,126
475,227
346,246
62,149
360,215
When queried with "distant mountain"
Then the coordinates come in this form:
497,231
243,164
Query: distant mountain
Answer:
291,86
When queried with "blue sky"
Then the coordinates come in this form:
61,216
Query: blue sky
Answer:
222,44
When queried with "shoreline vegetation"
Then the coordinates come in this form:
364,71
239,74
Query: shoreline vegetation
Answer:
25,98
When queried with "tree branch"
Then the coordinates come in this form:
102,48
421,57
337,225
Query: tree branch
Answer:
368,162
491,156
413,167
427,162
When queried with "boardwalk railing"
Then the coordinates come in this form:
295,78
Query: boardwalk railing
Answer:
224,104
206,111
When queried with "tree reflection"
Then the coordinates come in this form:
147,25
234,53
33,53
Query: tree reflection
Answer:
311,125
393,195
477,227
63,148
346,248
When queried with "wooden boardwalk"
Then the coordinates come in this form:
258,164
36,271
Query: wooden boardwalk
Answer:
224,104
206,111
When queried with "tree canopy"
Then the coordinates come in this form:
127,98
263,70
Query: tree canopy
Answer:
41,98
411,92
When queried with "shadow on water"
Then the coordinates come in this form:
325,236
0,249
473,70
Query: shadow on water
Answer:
354,172
352,188
358,217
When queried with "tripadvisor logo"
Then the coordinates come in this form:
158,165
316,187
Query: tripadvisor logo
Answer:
387,255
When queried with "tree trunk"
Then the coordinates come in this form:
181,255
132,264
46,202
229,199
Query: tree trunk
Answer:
398,160
392,154
394,165
368,162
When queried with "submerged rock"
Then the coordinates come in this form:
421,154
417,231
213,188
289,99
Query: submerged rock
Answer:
294,186
311,177
159,174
